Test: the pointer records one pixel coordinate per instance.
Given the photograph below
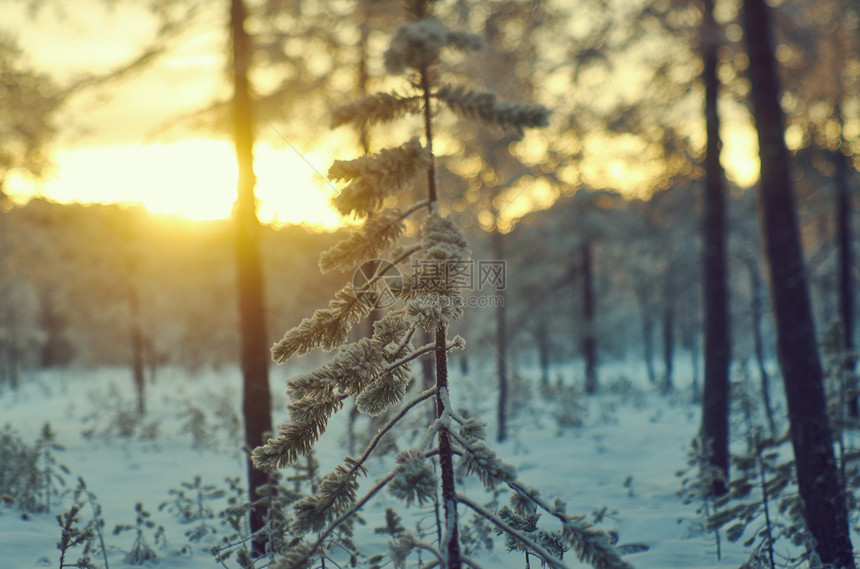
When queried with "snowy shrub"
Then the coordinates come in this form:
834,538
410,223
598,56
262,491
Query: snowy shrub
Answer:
191,503
140,551
71,535
20,478
567,404
89,535
196,425
52,472
114,416
697,480
31,477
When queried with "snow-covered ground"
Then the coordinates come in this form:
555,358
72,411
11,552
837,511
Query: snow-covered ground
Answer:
624,459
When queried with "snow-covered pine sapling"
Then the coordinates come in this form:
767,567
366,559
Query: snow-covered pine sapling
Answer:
741,507
83,496
140,551
375,370
762,495
20,476
697,480
72,535
52,471
193,506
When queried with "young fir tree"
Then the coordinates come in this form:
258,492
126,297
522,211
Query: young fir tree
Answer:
375,370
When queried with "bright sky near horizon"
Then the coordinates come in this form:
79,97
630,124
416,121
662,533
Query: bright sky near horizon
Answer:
109,149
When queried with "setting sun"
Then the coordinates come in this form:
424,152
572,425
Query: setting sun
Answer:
191,178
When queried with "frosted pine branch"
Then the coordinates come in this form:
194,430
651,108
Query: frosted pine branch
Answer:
417,45
308,419
316,395
532,546
383,393
442,240
300,560
390,425
415,480
374,178
591,545
376,108
479,459
337,490
298,557
403,546
486,108
329,327
335,494
377,234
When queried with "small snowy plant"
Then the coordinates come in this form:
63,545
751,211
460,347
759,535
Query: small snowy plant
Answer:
191,503
140,551
375,370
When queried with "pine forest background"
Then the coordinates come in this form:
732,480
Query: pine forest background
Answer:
642,233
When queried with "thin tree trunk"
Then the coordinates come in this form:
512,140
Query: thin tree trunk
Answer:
137,351
589,340
446,463
501,346
819,486
428,372
846,254
254,342
715,404
668,337
647,333
542,340
757,314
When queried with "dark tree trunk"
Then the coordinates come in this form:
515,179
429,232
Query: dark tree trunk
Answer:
757,314
589,340
501,347
689,340
137,351
846,292
818,478
668,337
428,373
446,462
542,340
694,363
254,357
715,404
647,333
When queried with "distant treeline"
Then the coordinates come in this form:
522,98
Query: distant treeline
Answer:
75,280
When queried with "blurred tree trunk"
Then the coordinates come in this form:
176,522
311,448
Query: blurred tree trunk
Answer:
254,343
757,315
137,350
501,340
589,340
542,340
668,324
715,404
821,493
844,239
647,332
